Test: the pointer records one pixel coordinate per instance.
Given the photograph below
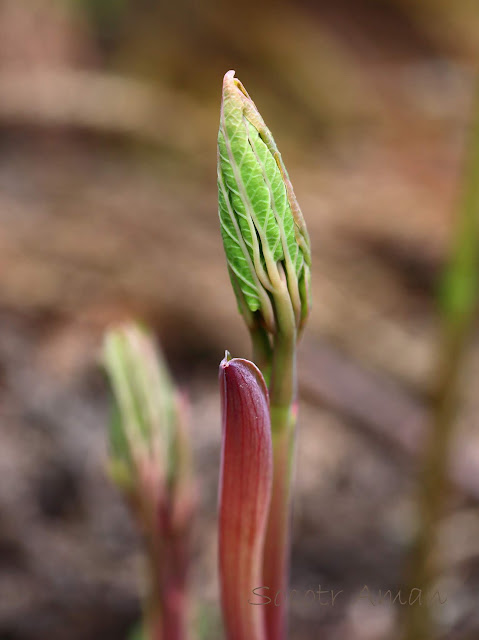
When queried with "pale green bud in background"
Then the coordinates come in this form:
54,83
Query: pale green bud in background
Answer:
149,448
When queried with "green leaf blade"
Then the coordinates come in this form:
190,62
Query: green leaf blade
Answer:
237,253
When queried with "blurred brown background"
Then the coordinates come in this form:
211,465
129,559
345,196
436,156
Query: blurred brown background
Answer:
108,120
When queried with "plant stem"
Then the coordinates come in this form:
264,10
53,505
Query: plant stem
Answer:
433,484
166,607
459,301
175,613
283,421
276,550
262,352
167,613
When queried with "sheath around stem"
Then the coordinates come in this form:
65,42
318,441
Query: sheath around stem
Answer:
244,496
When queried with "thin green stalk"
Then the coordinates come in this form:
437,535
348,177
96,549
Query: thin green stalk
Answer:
459,303
277,544
262,351
283,422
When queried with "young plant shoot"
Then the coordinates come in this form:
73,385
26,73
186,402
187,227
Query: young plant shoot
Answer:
244,495
150,463
268,256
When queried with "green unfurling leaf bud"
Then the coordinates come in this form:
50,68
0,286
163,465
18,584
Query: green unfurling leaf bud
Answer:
142,432
264,234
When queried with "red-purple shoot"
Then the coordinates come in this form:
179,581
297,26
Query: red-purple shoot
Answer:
269,262
244,496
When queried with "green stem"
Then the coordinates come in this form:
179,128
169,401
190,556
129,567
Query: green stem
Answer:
283,421
282,388
262,351
459,302
276,550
